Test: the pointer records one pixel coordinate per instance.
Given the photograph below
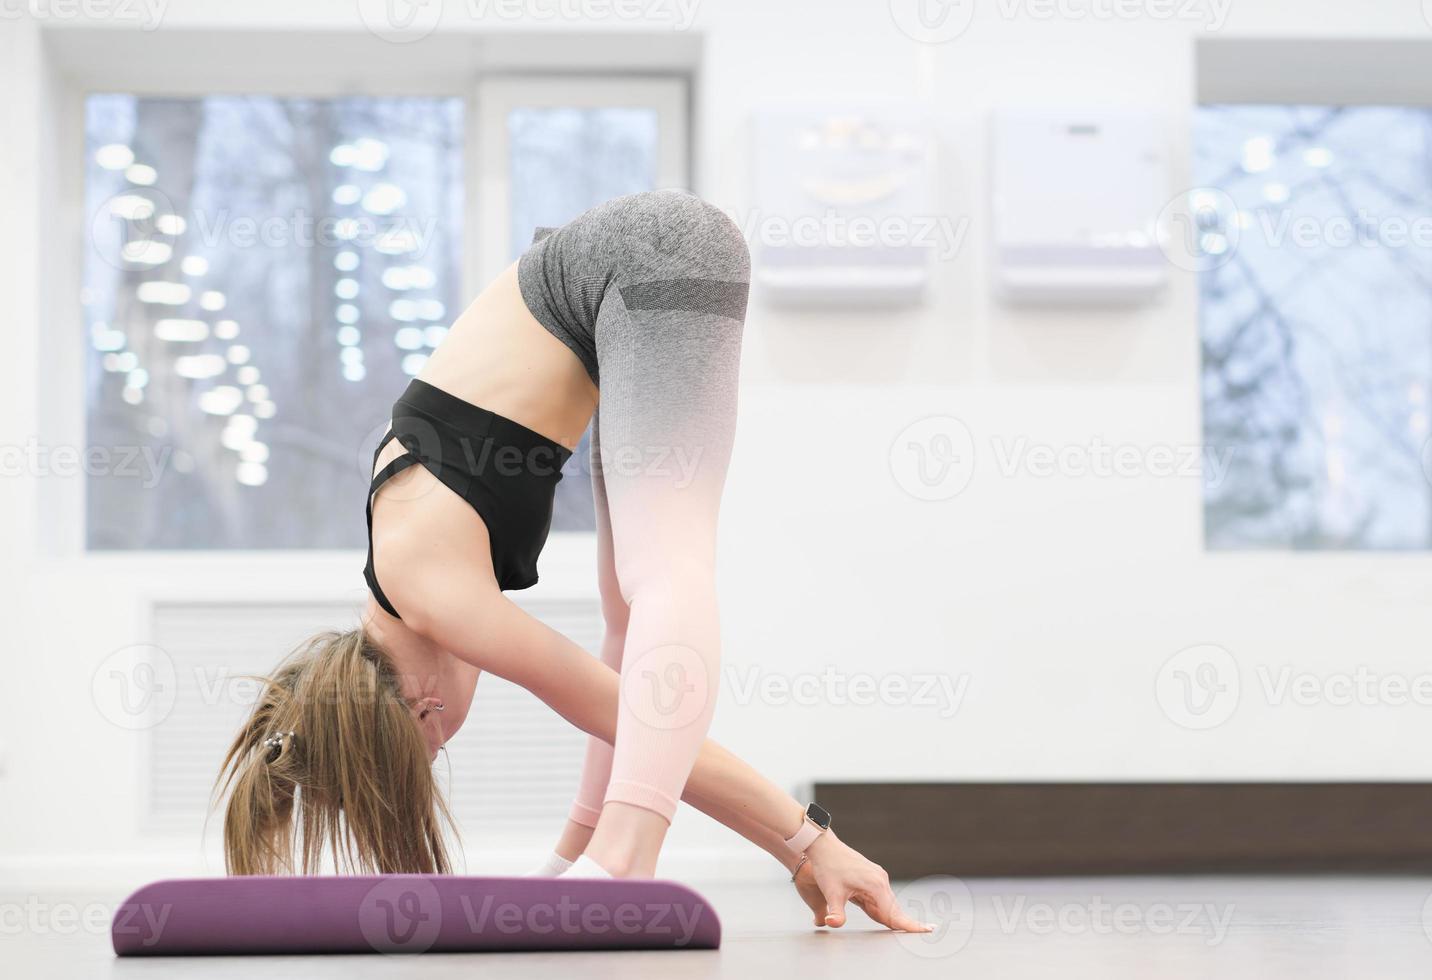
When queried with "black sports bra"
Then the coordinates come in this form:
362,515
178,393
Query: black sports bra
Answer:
505,471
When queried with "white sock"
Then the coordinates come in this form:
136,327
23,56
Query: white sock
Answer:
554,866
585,867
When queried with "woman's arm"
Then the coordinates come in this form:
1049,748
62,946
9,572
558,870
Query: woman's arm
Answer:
496,635
502,638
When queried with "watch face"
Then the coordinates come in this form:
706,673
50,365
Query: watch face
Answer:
818,815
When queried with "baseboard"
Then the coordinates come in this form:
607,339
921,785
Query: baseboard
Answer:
917,829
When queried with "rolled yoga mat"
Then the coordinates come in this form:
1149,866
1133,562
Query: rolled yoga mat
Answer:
409,914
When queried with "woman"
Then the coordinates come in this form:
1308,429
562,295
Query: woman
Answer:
641,299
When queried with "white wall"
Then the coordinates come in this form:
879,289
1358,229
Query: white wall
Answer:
1057,598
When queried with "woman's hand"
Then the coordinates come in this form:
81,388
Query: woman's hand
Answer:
836,874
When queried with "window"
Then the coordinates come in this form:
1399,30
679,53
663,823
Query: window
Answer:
563,147
268,272
1316,324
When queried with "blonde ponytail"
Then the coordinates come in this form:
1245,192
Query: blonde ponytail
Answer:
331,760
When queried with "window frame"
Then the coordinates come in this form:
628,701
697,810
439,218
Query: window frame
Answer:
243,574
1349,72
498,95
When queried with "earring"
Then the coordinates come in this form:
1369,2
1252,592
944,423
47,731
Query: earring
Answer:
439,706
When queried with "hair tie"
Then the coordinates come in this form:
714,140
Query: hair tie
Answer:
274,743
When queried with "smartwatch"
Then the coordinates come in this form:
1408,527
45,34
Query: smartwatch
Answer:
816,822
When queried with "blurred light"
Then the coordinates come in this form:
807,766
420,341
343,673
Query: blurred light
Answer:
431,309
247,375
239,432
167,293
244,426
400,277
158,427
143,252
255,452
221,400
1417,423
369,154
346,313
181,331
1318,157
183,462
1202,202
345,229
131,207
346,288
170,224
1416,393
265,410
233,439
1276,193
413,364
396,242
434,335
104,338
121,363
384,199
137,378
132,395
342,155
226,329
114,156
351,355
238,354
345,261
251,474
213,300
354,372
194,265
404,310
409,338
199,366
257,393
141,174
1213,243
346,194
1259,154
349,336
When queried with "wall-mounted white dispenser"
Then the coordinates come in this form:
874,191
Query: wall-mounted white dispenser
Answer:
842,207
1076,197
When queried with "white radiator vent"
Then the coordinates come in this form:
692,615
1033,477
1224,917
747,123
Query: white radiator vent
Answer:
514,764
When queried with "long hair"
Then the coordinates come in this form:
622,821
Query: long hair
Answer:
332,758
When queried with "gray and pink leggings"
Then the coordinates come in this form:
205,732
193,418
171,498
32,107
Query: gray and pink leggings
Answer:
649,291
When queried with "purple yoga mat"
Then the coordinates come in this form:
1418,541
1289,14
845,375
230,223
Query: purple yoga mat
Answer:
409,914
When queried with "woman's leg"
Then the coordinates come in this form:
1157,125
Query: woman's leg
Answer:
668,343
597,766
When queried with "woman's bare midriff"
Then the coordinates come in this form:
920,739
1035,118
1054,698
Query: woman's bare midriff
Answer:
498,357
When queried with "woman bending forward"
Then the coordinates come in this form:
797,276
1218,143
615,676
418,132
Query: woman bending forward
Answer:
630,318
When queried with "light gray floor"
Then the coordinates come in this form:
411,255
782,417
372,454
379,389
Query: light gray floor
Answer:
1109,928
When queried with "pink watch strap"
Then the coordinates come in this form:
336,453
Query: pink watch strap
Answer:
804,837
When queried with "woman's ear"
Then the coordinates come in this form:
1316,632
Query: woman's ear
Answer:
427,711
426,706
